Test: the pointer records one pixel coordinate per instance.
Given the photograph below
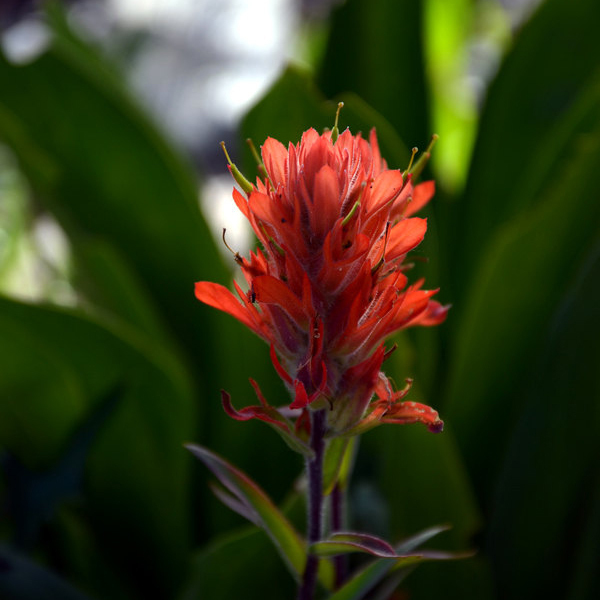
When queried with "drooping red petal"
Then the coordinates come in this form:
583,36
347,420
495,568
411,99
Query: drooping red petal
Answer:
414,412
435,314
278,367
263,413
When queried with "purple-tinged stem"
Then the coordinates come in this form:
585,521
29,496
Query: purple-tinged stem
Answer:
314,469
338,523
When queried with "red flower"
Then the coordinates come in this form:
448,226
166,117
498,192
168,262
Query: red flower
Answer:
328,286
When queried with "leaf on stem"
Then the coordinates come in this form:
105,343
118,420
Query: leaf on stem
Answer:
344,542
374,573
249,500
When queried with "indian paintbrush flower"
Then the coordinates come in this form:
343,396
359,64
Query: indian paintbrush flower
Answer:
329,285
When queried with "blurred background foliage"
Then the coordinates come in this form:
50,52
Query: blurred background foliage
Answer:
108,364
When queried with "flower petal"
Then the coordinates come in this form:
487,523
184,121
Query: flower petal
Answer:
274,157
270,290
414,412
220,297
422,194
326,201
406,235
386,186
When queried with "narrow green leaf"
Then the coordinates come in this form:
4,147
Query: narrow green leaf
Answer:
344,542
287,541
374,573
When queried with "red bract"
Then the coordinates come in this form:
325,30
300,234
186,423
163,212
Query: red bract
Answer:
328,286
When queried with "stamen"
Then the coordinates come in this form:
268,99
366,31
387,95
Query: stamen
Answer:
335,132
260,164
277,247
236,255
385,242
349,216
237,174
424,158
412,158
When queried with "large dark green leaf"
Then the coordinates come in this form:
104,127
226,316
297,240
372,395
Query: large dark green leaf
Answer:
98,164
136,475
547,495
535,107
525,271
129,206
375,50
293,104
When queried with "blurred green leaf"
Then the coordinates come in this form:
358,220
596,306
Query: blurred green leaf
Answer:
375,50
524,272
136,472
448,40
533,108
559,425
293,104
229,568
109,177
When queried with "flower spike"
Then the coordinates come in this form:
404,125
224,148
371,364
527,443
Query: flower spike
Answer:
328,286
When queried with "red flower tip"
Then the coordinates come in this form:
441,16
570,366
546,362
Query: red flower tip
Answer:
328,287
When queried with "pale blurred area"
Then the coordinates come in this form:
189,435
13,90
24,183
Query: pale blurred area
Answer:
198,66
